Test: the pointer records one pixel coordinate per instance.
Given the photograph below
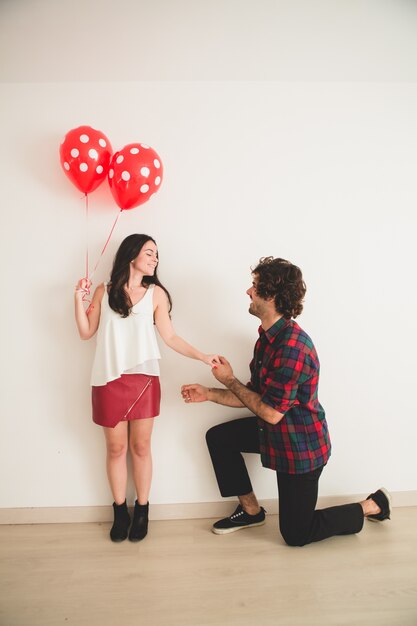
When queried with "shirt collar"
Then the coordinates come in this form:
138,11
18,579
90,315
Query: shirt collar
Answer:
272,332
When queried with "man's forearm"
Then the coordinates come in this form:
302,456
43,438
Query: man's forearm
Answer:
224,397
253,402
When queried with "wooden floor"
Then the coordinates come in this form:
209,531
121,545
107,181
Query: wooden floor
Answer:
184,575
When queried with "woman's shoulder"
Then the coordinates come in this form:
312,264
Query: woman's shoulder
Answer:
159,295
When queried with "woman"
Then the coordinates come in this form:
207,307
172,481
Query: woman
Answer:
125,378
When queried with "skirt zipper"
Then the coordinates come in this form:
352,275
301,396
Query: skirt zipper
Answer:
138,398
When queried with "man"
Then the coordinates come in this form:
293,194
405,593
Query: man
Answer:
288,429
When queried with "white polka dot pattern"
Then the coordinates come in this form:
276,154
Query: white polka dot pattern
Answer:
135,174
85,157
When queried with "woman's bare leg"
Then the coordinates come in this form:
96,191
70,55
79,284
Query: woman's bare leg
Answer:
117,445
140,449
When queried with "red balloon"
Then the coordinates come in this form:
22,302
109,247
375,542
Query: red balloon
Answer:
85,157
135,174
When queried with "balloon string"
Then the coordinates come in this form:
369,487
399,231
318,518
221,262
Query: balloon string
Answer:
87,289
86,252
89,279
105,245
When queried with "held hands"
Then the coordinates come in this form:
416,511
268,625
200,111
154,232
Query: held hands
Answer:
223,371
211,359
194,393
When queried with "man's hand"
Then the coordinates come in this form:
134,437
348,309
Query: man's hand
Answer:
223,372
194,393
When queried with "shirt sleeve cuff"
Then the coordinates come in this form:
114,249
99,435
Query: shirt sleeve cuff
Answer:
281,407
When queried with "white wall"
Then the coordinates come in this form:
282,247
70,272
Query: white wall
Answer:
322,173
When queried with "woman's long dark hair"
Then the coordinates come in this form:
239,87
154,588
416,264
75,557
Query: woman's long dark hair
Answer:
128,250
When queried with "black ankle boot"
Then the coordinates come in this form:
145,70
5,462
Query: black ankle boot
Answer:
139,528
121,523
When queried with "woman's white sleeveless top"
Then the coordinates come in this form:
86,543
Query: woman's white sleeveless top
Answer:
126,345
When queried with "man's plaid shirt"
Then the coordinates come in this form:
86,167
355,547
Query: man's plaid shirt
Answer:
285,372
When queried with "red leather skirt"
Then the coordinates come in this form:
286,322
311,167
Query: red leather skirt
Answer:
130,397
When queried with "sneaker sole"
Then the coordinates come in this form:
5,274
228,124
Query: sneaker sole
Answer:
226,531
388,497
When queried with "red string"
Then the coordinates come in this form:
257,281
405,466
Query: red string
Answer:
88,278
86,252
105,245
87,289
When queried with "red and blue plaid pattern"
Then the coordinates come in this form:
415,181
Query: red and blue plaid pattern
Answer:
285,372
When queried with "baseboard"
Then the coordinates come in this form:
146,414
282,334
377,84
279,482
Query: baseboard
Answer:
191,510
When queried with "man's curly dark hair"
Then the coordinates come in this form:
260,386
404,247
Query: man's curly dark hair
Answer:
281,280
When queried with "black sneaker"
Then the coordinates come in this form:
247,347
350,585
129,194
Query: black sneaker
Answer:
238,520
383,500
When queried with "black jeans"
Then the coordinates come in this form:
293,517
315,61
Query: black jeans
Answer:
299,522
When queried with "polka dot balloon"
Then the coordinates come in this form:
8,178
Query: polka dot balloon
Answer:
135,174
85,155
